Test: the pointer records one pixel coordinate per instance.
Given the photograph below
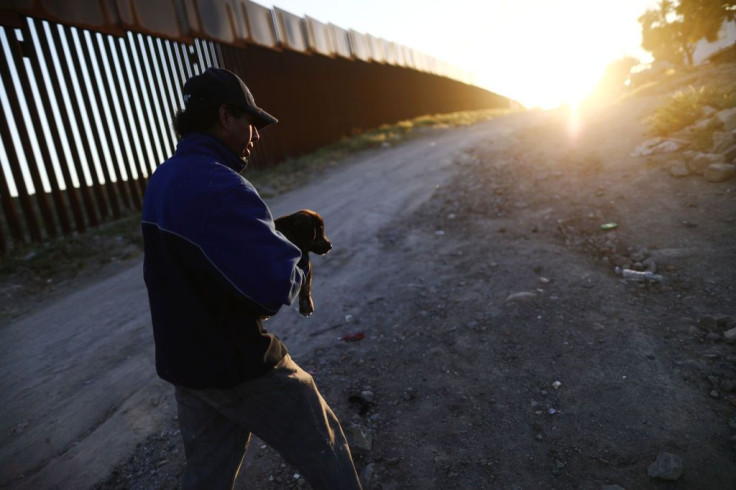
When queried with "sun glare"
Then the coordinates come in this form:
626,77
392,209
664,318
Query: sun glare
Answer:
560,53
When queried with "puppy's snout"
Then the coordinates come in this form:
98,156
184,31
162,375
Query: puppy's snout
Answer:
323,246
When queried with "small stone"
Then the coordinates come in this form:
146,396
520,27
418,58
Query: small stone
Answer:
713,337
556,384
723,320
707,322
360,439
598,327
667,466
366,476
714,394
727,117
521,297
367,396
612,487
678,169
701,161
720,172
732,423
730,336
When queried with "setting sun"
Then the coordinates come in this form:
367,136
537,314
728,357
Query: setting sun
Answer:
539,53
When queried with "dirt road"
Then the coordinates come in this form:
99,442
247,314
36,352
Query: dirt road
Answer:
501,349
84,391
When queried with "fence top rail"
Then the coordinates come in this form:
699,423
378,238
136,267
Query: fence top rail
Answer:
234,22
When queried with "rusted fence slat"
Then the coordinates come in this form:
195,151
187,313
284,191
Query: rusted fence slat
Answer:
114,187
146,97
24,198
39,195
164,95
126,188
11,214
135,92
87,199
22,50
57,32
122,87
71,193
15,108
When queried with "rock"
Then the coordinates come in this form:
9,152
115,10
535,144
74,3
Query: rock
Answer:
612,487
728,118
667,466
723,320
707,322
360,439
655,145
730,154
700,161
678,168
366,476
367,396
719,172
722,141
521,297
730,336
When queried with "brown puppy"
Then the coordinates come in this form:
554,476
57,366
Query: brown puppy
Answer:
306,230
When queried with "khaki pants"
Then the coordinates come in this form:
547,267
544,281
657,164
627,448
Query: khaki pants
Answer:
284,409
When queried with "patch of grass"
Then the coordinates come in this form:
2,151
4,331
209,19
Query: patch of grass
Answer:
685,108
276,180
36,268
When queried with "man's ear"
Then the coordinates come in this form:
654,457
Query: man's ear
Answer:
224,116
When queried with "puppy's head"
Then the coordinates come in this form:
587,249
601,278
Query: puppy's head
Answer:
305,229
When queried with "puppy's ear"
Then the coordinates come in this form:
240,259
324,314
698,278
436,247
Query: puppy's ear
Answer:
303,222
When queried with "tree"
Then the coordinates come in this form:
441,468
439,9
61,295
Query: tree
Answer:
671,30
662,34
706,16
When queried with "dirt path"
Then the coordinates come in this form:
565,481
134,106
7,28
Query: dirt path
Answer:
84,392
501,349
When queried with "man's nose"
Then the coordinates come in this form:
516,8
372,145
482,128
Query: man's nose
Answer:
256,135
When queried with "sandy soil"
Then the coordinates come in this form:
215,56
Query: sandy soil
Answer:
501,350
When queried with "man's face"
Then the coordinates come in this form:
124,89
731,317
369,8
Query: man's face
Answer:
239,133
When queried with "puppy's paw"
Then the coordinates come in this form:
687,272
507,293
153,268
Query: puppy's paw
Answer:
306,307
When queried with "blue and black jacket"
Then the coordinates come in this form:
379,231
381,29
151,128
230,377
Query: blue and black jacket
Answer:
214,265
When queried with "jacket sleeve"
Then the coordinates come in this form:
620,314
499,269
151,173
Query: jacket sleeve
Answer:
241,242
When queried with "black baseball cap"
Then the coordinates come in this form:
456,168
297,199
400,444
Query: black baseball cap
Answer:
217,86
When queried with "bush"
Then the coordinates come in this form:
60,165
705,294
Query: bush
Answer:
685,107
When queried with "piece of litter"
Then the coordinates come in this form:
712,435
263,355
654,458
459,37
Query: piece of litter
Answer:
609,226
352,337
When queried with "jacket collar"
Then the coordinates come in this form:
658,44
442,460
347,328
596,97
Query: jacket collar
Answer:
204,143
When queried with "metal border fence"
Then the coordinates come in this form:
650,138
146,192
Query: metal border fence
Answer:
85,118
88,96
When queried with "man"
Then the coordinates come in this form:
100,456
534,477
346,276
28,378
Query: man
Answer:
214,266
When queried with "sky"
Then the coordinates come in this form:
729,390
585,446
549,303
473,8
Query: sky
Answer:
542,53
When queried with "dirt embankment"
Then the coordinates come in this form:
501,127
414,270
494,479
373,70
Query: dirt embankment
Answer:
502,346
